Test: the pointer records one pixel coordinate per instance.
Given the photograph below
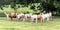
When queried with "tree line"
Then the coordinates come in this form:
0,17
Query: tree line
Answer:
44,5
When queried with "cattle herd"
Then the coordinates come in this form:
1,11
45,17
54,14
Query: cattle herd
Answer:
33,17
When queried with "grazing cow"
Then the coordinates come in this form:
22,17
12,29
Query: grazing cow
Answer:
39,17
21,16
11,15
34,17
27,16
46,16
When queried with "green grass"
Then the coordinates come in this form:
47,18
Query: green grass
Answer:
19,25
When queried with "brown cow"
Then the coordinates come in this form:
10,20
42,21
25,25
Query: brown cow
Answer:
39,16
11,15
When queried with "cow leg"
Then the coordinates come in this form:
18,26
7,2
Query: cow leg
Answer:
36,20
18,17
43,19
23,19
11,18
7,17
32,19
48,19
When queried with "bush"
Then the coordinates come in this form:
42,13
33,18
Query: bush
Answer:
2,15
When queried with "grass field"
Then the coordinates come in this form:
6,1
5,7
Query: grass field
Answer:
19,25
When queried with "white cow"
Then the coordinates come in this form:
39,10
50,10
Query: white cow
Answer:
21,15
46,16
34,17
27,16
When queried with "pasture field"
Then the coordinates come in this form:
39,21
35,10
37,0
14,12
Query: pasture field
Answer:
27,25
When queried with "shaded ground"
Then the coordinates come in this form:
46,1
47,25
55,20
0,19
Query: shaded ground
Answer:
19,25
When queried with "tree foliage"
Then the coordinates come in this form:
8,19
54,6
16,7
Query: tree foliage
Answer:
46,5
